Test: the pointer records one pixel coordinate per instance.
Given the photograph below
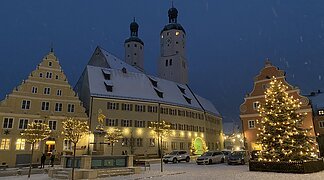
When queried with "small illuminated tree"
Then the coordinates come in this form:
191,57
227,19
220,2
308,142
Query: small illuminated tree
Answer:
113,135
282,136
74,130
34,133
162,130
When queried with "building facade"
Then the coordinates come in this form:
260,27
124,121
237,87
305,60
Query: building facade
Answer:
317,100
131,99
248,110
45,96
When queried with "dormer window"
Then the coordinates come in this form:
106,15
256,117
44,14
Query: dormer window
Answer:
158,92
187,99
154,82
109,87
106,74
183,90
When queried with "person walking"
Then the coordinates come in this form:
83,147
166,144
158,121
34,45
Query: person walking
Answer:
43,158
52,160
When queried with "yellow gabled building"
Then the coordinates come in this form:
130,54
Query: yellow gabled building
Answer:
45,96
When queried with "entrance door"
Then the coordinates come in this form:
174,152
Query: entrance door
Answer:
49,147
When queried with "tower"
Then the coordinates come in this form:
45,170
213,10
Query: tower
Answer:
172,64
134,48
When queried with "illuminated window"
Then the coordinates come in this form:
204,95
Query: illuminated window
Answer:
5,144
321,112
177,33
36,146
20,144
256,105
162,36
67,145
251,124
111,122
321,124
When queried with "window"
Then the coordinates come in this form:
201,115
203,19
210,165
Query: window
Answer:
256,105
321,112
20,144
166,63
152,109
321,124
173,145
139,123
38,121
67,145
140,108
170,63
152,142
251,124
111,122
139,142
52,125
177,33
128,45
181,145
7,123
25,104
127,107
40,74
59,92
34,90
135,45
36,146
125,142
126,123
23,124
56,77
58,107
48,75
45,106
70,108
106,74
5,144
50,63
47,90
111,105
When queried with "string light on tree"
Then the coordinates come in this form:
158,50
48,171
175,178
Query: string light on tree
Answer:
281,136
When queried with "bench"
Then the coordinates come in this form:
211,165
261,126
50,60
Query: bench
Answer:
3,166
144,164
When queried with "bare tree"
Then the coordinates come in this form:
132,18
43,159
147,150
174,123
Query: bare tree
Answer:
74,130
34,133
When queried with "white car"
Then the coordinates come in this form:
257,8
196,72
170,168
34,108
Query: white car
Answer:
211,157
176,156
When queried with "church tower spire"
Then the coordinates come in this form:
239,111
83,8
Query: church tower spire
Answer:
172,63
134,47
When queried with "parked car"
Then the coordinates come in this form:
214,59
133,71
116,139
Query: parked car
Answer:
237,157
226,153
176,156
211,157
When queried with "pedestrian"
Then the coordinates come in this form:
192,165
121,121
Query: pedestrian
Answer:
52,160
43,158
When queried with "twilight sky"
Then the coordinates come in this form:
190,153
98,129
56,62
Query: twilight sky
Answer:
227,40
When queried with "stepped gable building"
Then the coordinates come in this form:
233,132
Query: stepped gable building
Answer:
131,99
248,110
45,96
317,100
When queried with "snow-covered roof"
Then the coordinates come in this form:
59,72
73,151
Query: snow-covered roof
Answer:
127,82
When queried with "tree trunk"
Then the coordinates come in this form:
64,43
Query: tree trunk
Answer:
161,155
112,148
31,160
73,162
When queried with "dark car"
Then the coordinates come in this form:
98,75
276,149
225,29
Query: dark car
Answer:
237,157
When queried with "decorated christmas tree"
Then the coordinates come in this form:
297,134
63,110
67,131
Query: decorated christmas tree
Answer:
281,134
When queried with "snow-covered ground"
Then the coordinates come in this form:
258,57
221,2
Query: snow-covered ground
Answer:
191,171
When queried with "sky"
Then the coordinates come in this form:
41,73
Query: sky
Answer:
227,40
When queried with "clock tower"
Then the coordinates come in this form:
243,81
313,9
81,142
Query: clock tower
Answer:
173,64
